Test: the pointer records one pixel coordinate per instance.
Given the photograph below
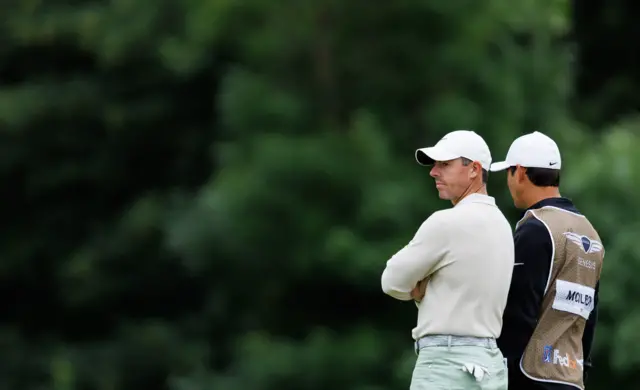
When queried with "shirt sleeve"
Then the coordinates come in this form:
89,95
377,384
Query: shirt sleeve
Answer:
533,258
417,260
589,333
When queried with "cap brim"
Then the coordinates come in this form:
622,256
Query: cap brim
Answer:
499,166
427,156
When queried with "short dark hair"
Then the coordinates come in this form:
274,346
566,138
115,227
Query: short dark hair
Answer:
541,177
485,173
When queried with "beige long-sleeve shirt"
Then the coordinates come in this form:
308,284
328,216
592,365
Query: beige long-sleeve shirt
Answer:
467,251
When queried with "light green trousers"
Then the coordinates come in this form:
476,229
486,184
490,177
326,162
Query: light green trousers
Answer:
440,368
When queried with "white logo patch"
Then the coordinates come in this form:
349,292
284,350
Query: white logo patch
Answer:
573,298
585,243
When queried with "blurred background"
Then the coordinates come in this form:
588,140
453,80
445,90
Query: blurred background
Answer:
202,194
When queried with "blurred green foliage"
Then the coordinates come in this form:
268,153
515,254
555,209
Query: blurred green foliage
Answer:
202,194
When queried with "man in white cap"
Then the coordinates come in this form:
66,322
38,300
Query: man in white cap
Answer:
551,313
463,258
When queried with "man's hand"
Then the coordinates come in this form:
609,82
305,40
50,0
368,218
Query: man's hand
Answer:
419,290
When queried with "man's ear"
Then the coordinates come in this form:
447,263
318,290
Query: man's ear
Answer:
472,172
521,173
475,170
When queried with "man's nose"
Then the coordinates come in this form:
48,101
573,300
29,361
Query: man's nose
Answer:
435,172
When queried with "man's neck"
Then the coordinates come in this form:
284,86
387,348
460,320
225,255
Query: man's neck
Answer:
541,193
473,189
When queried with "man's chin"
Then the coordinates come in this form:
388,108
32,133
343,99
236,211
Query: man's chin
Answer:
443,195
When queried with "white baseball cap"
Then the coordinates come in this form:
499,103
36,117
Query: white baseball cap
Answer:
459,143
533,150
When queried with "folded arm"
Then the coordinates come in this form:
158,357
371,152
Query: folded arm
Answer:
419,259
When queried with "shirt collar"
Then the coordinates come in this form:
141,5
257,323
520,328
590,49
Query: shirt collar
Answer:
561,203
477,198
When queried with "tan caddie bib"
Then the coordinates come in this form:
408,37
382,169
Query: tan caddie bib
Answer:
554,352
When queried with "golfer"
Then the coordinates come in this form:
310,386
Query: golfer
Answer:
463,257
551,312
